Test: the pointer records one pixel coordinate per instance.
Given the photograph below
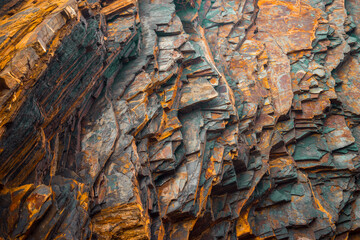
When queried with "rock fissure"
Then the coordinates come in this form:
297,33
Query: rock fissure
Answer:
161,119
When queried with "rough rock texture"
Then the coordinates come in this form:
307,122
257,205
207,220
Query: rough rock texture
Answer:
184,119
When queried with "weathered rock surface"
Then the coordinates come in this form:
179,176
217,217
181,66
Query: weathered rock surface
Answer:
184,119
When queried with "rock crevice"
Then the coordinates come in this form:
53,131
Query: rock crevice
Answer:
161,119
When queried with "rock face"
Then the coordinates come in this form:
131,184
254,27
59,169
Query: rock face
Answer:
184,119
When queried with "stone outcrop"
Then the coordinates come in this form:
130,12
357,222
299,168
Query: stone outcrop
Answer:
184,119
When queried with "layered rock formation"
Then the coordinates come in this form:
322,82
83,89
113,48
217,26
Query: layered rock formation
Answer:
185,119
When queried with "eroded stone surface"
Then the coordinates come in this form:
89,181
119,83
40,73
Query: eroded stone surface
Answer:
161,119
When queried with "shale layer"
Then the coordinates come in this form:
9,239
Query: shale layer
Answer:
184,119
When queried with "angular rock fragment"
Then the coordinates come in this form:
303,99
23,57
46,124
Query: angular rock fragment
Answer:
198,90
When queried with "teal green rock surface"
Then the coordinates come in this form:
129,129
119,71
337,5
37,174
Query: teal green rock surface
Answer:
180,119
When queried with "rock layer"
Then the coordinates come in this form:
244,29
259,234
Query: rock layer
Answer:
159,119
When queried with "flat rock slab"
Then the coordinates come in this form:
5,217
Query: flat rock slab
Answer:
339,135
198,90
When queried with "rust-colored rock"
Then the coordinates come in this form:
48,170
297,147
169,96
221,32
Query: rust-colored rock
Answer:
158,119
